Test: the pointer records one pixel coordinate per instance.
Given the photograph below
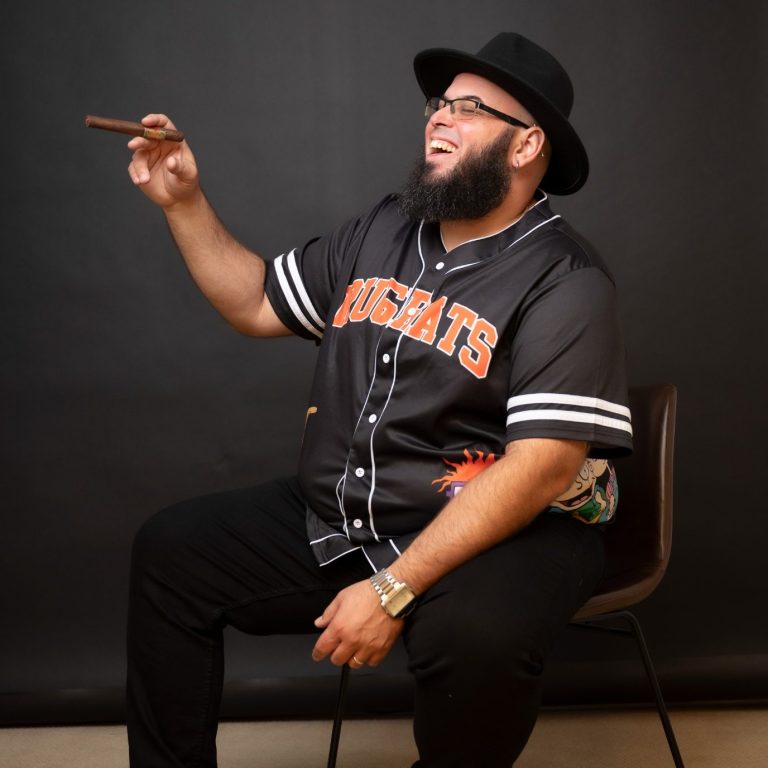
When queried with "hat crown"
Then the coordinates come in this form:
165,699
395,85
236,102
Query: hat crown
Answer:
534,65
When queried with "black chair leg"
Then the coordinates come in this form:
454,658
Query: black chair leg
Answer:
337,719
651,672
595,623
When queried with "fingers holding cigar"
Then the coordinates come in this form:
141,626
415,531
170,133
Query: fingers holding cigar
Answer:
160,132
147,142
155,126
148,151
165,170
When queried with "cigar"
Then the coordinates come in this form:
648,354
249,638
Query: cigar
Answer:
133,129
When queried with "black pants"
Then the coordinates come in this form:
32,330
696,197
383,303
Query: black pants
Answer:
476,642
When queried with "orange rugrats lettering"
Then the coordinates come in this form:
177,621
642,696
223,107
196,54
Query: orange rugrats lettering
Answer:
385,301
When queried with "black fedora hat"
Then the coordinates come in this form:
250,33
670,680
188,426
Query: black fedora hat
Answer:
532,76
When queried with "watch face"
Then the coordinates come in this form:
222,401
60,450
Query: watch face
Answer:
399,603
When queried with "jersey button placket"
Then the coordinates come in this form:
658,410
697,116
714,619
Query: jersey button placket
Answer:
361,475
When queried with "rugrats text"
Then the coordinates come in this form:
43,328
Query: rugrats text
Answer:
383,301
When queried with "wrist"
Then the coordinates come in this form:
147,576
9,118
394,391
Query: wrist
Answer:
191,203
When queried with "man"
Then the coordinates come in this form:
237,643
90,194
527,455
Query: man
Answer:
469,364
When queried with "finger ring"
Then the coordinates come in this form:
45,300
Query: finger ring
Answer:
357,661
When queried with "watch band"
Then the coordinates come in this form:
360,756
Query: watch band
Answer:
397,598
384,583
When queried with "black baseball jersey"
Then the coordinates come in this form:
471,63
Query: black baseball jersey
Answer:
430,362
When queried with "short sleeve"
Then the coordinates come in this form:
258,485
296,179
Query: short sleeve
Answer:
300,284
568,375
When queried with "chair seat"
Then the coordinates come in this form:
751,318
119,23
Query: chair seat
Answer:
621,590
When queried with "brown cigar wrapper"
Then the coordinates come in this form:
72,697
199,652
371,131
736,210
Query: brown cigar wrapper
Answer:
132,129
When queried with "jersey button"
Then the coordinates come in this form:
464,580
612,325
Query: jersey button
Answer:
357,523
439,265
386,358
359,471
372,418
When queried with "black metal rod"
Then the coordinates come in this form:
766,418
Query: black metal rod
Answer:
651,672
592,625
337,719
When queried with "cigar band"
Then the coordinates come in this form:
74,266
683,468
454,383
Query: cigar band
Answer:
154,133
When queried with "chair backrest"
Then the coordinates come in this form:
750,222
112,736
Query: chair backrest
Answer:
638,542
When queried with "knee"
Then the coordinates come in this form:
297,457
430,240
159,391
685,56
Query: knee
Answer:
476,645
468,671
160,537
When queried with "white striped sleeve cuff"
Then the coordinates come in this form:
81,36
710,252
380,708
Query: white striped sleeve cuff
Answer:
550,408
295,293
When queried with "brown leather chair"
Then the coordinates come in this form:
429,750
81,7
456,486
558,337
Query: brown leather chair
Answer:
638,542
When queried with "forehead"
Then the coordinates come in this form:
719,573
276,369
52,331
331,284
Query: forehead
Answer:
466,84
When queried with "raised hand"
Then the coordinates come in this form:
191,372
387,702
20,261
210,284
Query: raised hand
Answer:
165,171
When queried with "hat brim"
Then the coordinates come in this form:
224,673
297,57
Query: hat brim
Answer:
568,167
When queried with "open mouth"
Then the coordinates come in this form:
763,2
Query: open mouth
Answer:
576,501
440,147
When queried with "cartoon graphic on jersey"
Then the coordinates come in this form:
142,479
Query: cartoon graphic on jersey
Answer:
593,495
463,472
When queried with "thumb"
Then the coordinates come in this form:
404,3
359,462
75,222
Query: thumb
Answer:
182,165
323,621
176,166
182,168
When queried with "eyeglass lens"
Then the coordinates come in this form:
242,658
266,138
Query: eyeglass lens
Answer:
462,108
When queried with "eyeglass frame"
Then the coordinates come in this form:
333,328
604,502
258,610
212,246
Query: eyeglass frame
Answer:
436,103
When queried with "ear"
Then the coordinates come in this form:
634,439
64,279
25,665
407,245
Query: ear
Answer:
527,146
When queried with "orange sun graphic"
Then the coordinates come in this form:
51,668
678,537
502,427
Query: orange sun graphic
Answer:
464,471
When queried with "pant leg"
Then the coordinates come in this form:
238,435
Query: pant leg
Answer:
238,558
477,641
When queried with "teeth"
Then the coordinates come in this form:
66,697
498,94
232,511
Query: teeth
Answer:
442,145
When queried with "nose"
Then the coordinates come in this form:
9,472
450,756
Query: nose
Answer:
442,116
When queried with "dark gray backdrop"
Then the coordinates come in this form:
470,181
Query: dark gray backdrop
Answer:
123,391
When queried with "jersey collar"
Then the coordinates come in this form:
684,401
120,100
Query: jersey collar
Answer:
491,245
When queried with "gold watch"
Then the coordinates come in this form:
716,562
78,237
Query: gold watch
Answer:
397,598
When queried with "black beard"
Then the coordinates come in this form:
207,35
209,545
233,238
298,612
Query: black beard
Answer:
477,185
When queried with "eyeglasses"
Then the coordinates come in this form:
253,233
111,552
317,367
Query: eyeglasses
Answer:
466,109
